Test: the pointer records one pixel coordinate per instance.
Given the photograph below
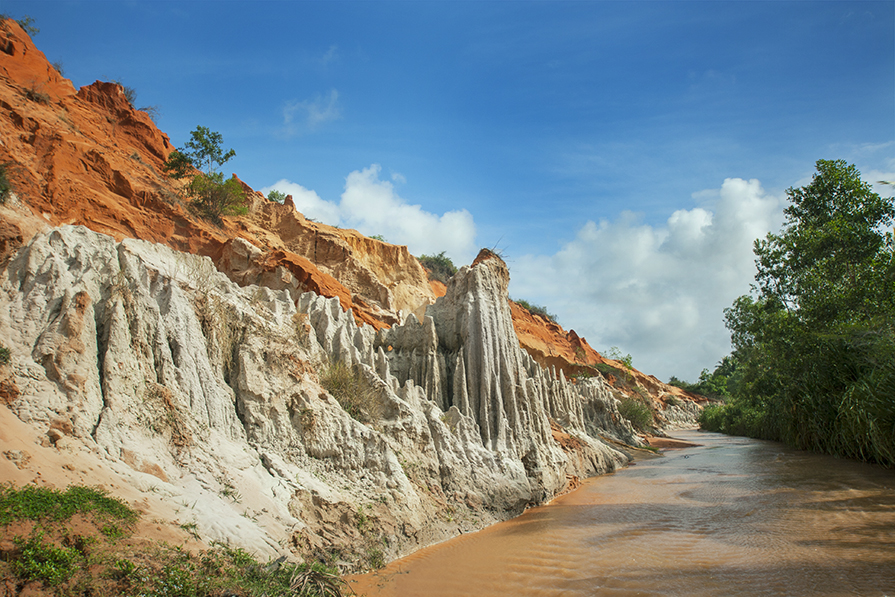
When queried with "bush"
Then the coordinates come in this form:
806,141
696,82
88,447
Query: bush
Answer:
276,196
535,309
615,354
352,391
5,185
26,23
635,411
43,503
42,561
211,196
440,267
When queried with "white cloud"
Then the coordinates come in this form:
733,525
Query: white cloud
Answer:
373,207
657,292
308,115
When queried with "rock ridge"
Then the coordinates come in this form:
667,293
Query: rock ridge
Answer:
196,388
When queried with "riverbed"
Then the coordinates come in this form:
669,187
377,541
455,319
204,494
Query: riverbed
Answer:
732,516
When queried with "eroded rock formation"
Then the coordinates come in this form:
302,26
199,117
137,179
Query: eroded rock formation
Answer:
204,389
196,379
89,157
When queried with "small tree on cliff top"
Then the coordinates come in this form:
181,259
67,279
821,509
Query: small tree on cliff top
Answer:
209,193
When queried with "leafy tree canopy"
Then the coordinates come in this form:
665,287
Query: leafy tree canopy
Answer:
210,194
815,341
276,196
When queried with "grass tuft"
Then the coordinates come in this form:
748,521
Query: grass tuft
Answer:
352,391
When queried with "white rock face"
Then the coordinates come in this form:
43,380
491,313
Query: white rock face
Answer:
211,394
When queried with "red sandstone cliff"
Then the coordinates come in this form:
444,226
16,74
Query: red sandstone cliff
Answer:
88,157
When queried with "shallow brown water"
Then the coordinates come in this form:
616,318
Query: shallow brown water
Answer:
733,517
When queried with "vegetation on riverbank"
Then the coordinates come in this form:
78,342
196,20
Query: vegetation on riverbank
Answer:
80,542
814,343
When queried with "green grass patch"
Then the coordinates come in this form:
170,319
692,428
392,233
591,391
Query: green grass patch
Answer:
42,561
535,309
43,503
440,266
174,572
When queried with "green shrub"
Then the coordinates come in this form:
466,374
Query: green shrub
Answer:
129,92
535,309
38,96
276,196
615,354
211,196
636,412
440,267
42,561
5,185
5,356
43,503
352,391
26,23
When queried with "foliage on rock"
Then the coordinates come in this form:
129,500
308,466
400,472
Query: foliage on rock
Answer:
99,558
635,410
440,266
351,389
209,193
535,309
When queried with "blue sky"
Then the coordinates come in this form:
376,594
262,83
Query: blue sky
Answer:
622,155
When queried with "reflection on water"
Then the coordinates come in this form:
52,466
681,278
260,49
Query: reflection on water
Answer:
731,517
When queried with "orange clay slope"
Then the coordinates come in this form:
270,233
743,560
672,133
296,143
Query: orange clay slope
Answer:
88,157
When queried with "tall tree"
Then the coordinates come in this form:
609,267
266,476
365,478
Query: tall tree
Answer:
815,341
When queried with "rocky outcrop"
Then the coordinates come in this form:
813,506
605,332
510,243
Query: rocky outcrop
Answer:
205,390
552,347
204,377
89,157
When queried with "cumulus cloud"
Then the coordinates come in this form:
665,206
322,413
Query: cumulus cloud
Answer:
657,292
308,115
373,207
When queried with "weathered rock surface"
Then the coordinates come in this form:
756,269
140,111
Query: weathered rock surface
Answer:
200,379
207,391
89,157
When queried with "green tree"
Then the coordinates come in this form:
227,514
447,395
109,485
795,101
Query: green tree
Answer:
210,194
815,342
276,196
720,383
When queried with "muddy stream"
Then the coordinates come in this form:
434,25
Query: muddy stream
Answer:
732,517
